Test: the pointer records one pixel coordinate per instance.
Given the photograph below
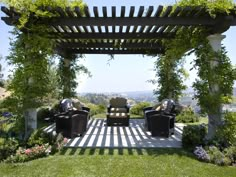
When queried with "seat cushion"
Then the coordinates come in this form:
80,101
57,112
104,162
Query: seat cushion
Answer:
118,110
118,115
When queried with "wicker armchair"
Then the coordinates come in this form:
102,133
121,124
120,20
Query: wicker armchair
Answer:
72,123
160,121
118,112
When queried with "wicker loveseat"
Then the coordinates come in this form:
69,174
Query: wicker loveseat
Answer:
118,112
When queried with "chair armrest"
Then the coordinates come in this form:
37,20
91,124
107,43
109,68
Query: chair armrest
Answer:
85,108
152,112
128,108
108,108
147,108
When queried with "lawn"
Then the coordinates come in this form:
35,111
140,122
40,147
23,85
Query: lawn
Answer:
117,162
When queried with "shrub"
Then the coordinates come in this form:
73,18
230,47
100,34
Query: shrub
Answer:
201,154
193,135
230,152
96,109
218,157
43,113
24,155
38,137
7,147
187,116
226,134
138,108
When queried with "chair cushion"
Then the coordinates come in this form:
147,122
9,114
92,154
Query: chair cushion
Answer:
118,110
118,115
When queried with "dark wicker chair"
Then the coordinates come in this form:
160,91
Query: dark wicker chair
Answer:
72,124
118,112
162,125
160,122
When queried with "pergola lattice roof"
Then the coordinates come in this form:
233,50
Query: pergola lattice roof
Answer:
132,31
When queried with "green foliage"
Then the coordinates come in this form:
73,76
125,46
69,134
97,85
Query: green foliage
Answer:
170,78
27,7
213,7
170,66
193,135
226,133
38,137
218,157
33,80
96,109
7,147
187,116
67,75
29,56
42,113
24,155
230,153
138,108
222,75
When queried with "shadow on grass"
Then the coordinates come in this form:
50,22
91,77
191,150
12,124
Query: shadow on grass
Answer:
126,151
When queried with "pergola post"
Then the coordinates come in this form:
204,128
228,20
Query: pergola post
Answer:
214,120
30,113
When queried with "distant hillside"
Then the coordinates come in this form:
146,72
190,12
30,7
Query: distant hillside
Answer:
139,96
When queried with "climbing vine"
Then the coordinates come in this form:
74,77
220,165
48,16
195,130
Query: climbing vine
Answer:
222,75
32,54
67,75
215,83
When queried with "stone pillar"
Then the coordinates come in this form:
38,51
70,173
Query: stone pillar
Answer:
214,120
30,121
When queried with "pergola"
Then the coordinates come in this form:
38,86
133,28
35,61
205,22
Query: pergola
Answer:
123,31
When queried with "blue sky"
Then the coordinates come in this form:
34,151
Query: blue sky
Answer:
125,72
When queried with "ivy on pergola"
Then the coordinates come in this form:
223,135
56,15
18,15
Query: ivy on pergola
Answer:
120,31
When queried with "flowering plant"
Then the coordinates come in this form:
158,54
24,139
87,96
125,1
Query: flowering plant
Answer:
201,154
23,155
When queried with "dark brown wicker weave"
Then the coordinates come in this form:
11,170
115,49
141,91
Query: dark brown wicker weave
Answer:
162,125
72,124
118,121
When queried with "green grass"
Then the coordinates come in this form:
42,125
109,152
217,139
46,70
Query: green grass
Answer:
117,162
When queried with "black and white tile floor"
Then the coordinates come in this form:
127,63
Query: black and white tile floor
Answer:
99,135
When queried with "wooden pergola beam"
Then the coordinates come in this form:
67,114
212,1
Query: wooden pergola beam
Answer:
103,51
126,21
112,35
110,45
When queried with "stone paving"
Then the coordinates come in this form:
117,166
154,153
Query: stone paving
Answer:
99,135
